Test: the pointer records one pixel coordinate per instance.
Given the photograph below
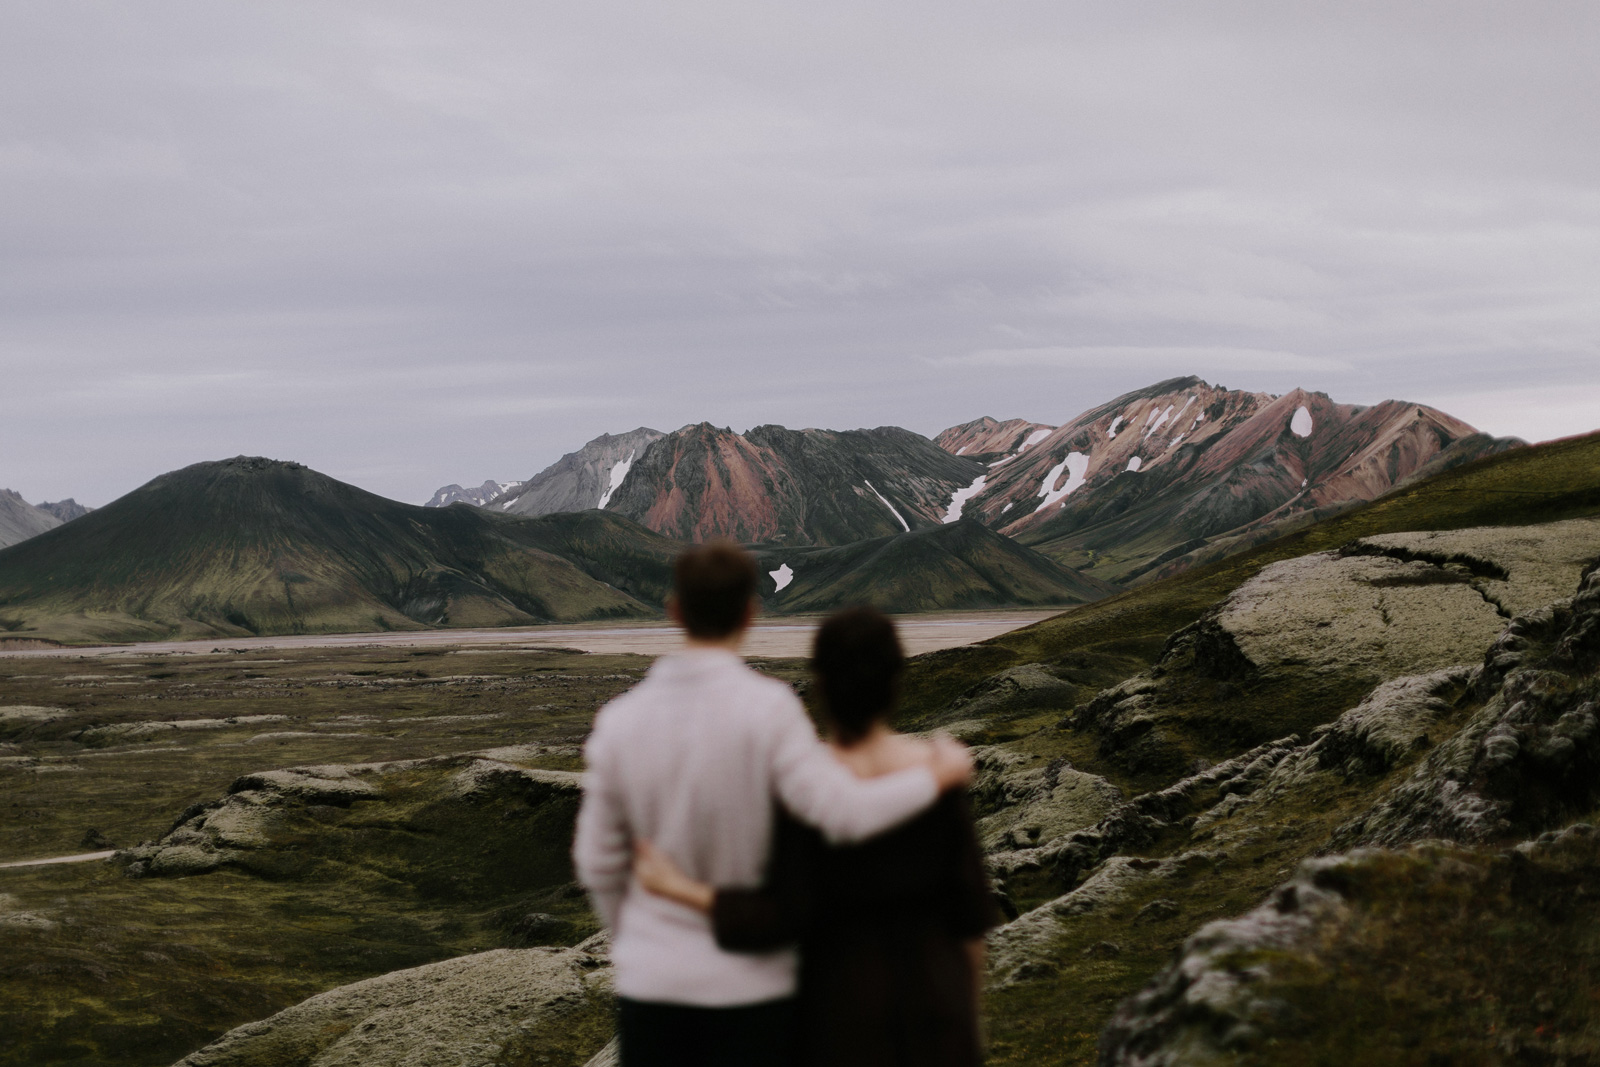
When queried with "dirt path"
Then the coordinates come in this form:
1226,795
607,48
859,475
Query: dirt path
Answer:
82,857
788,636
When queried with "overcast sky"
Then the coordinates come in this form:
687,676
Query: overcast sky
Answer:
418,243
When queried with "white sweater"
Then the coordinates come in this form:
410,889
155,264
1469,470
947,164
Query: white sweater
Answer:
692,759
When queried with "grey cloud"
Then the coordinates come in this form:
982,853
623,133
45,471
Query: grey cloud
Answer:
414,244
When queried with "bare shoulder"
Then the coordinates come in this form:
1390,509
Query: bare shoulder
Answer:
886,755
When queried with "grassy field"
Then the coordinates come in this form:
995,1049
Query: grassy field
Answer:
123,970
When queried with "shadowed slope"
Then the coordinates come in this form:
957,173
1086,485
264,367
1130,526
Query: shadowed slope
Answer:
960,565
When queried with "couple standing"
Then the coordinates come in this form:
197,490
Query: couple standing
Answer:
717,833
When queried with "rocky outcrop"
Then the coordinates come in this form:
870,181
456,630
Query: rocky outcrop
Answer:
1034,803
479,497
1305,971
1028,947
65,510
260,824
1318,627
544,1005
1529,758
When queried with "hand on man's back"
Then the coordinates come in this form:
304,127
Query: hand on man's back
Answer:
952,763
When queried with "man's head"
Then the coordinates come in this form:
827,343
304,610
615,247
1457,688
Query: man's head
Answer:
714,589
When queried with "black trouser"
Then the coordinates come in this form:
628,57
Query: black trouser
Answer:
667,1035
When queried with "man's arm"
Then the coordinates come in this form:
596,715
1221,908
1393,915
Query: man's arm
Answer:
602,846
822,793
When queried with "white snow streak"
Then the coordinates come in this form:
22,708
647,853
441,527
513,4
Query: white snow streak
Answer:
783,576
1135,463
962,449
619,472
890,506
1034,438
959,500
1006,508
1165,415
1077,466
1301,423
1112,433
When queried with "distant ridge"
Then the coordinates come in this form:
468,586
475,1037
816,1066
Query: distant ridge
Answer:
20,520
579,480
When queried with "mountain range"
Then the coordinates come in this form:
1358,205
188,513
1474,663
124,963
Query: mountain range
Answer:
988,513
259,546
1144,485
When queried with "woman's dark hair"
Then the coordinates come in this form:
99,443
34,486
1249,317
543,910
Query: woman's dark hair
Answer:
857,661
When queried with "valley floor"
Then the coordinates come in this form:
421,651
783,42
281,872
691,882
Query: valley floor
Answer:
787,636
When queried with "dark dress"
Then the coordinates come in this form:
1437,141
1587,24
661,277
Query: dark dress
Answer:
885,978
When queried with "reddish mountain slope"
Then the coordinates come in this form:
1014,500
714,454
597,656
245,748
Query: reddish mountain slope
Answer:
987,439
781,486
1161,473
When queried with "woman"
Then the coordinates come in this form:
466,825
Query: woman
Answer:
891,930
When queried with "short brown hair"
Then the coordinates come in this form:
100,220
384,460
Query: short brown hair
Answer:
714,584
858,661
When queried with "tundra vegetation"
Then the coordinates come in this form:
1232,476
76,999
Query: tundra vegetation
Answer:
1327,799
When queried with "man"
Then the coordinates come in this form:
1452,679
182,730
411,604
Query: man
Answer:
692,759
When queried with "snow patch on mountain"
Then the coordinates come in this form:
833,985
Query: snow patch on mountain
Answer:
1135,463
1034,438
619,472
1112,433
1161,421
783,576
961,496
898,517
1076,465
1301,424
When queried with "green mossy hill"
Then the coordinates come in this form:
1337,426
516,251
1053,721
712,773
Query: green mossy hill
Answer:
251,545
605,546
1433,955
1106,642
1469,938
960,565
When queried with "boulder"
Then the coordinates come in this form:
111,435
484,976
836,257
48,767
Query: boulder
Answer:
464,1012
